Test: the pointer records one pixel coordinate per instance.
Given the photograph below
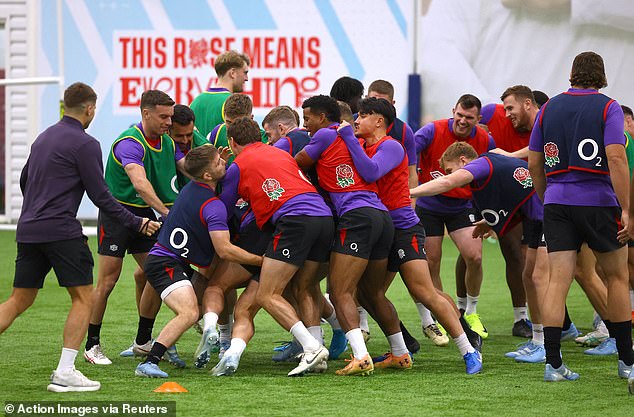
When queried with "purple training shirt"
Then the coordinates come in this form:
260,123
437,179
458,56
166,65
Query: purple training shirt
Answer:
572,188
346,200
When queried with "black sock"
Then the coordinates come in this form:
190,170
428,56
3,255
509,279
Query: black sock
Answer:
156,353
567,321
609,326
93,335
622,332
465,326
552,344
144,332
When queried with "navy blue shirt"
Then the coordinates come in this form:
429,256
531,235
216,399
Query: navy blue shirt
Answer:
64,162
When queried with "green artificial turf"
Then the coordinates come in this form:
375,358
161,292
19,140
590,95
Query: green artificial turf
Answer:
437,384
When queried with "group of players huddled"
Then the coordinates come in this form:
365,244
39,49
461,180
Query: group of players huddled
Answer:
277,209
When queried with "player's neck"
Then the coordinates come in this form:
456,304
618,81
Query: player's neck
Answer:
225,83
375,137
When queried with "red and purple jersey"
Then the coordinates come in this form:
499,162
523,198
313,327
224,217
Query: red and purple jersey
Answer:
272,183
502,130
338,174
403,134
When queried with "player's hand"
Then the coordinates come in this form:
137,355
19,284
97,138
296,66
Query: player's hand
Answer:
342,125
482,230
225,152
626,233
149,227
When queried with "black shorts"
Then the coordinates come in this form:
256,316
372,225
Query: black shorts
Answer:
567,227
253,240
409,245
434,222
166,274
115,238
533,235
70,259
300,238
630,243
365,232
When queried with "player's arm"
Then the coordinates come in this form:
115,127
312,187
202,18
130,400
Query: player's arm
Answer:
456,179
308,156
230,252
303,160
24,175
144,188
536,161
370,169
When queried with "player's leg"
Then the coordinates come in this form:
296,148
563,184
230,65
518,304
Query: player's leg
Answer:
511,248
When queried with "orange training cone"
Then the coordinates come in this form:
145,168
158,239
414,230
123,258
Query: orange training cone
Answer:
171,387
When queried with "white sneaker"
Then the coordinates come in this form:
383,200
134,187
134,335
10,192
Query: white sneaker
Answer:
437,337
96,356
71,381
320,368
310,360
142,350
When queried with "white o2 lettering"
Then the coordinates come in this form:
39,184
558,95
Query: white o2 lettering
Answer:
182,234
593,155
491,217
173,184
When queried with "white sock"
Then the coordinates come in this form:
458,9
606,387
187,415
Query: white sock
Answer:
463,344
237,347
316,332
461,303
602,328
225,332
209,320
472,303
538,334
424,314
632,299
520,313
332,320
363,319
67,360
303,336
355,338
397,344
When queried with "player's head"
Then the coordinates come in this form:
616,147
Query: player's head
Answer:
233,68
157,109
456,156
349,90
237,105
588,71
80,102
204,163
242,132
381,89
519,105
280,120
182,129
320,111
346,112
540,98
628,120
375,114
466,115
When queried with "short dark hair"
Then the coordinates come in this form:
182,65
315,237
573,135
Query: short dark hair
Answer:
540,98
238,105
152,98
468,101
627,111
183,115
346,88
281,114
229,60
382,87
198,159
324,104
78,95
521,92
381,106
588,71
244,131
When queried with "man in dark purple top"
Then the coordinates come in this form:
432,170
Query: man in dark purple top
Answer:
64,162
579,168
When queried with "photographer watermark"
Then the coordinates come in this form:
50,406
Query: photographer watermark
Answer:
90,408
